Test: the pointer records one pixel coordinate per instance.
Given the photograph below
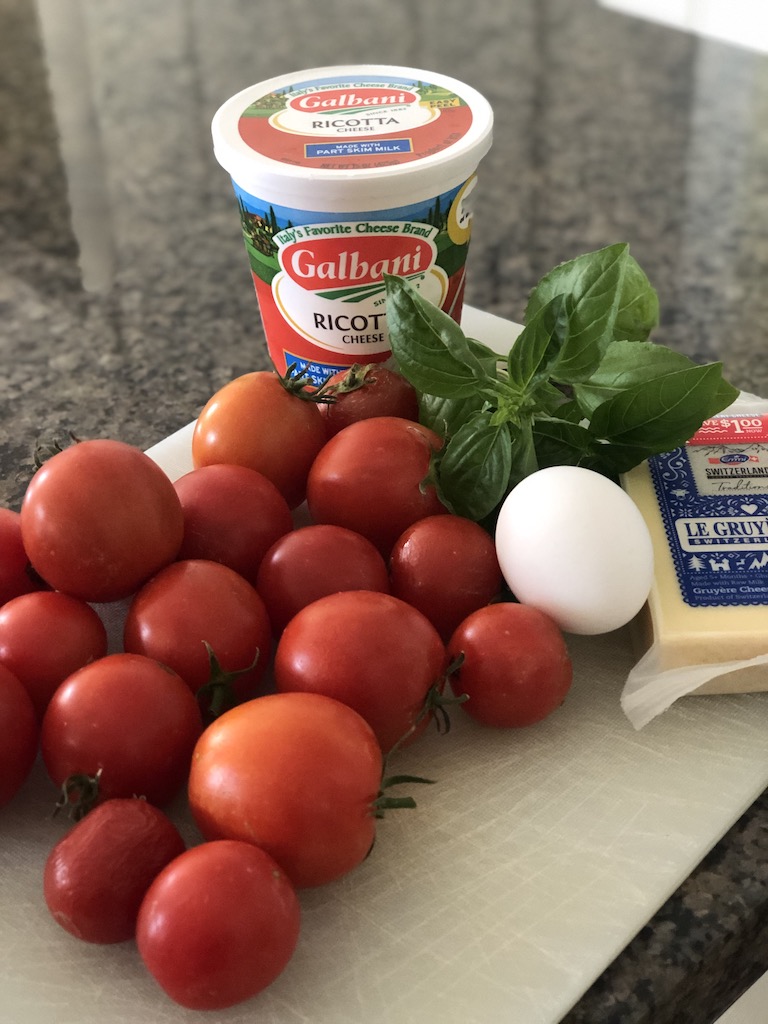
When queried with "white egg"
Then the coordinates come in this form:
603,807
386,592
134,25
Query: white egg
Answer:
573,544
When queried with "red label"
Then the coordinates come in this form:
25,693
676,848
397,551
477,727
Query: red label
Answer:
352,98
324,263
732,430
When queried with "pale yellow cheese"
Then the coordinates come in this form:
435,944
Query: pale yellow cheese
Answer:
687,635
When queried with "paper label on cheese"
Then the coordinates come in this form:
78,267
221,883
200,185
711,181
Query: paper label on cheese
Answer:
713,499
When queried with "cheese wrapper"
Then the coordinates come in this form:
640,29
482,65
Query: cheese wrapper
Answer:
704,628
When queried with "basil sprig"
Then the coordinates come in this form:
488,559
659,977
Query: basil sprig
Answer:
582,385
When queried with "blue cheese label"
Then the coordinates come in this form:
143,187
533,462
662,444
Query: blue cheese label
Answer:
713,497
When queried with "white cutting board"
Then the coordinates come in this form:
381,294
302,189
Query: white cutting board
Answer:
520,876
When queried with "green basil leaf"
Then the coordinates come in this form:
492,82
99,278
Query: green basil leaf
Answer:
638,311
538,345
475,465
548,399
625,364
594,283
446,415
430,348
561,443
663,413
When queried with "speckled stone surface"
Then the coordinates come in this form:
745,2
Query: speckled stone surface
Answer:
125,298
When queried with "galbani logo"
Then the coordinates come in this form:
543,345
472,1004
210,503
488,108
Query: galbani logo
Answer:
352,99
331,263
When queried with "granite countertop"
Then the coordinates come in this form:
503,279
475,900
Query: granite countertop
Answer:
125,296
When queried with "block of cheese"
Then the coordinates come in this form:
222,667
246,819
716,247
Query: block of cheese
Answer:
706,506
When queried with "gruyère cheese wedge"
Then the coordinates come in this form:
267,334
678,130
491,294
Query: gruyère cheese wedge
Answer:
706,506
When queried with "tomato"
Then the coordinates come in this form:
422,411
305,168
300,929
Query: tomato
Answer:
372,477
294,773
194,602
446,566
45,636
255,421
128,717
315,561
96,876
19,729
16,576
369,650
99,518
516,668
232,515
367,390
218,925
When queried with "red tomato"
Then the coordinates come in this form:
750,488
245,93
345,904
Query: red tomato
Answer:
294,773
96,876
369,650
27,624
315,561
99,518
232,515
516,668
218,925
255,421
446,566
367,390
128,717
372,477
191,603
19,729
16,576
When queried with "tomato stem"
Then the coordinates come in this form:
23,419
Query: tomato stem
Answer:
79,795
218,694
45,450
385,802
297,382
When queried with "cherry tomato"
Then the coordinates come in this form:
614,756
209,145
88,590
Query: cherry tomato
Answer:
255,421
19,729
193,603
96,876
45,637
16,575
369,650
130,719
367,390
294,773
516,668
312,562
373,477
232,515
218,925
446,566
99,518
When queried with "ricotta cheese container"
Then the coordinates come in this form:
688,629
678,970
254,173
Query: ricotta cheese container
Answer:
344,174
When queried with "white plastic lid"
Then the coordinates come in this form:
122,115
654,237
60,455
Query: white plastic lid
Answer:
352,138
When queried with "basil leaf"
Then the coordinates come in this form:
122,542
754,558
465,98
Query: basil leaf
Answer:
625,364
638,311
561,443
431,349
660,414
538,345
594,283
446,415
475,465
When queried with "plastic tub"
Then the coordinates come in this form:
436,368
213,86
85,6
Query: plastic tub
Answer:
343,174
